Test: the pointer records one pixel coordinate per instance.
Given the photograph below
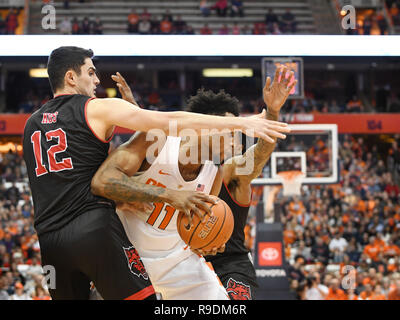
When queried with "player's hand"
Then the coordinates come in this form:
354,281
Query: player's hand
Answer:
123,88
258,126
275,95
212,252
191,202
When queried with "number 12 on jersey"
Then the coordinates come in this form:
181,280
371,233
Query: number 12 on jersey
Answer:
61,146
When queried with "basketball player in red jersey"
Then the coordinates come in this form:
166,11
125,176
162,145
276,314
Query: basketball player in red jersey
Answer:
64,143
234,266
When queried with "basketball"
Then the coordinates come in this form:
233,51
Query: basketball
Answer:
213,232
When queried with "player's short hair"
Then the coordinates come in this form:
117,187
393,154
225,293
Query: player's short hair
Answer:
209,102
63,59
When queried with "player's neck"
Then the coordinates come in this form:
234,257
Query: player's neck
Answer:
65,91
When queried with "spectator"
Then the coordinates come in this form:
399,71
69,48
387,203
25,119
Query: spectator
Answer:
382,23
372,250
205,8
367,293
155,26
354,105
295,271
394,293
246,30
235,29
19,293
179,25
85,26
165,26
3,292
40,293
75,26
338,246
334,293
395,13
66,4
97,26
133,22
259,28
12,21
144,26
224,30
3,29
188,30
221,6
288,22
270,19
205,30
320,251
236,8
275,29
315,290
66,26
367,25
378,293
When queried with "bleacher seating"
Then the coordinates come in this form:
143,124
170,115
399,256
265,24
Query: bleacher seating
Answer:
113,14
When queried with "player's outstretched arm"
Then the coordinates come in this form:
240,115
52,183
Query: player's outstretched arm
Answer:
104,114
113,180
255,158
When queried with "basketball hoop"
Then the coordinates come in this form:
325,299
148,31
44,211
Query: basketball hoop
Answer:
291,181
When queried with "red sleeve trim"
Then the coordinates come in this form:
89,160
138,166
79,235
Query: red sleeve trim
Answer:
87,122
142,294
233,199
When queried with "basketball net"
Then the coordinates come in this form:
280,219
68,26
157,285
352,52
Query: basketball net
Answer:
291,181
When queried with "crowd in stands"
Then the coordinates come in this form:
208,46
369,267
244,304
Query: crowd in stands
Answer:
354,224
86,26
9,23
20,270
145,23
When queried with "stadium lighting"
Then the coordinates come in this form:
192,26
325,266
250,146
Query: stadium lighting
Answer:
227,73
38,73
207,45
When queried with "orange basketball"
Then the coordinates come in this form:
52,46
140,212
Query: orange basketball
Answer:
213,232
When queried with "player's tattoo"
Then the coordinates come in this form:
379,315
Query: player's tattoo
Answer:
124,189
261,151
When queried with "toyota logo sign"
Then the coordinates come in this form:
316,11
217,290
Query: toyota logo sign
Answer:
270,253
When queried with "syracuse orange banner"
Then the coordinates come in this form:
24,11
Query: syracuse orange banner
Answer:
13,124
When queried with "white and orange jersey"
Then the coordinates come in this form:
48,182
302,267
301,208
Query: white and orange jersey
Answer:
175,271
158,231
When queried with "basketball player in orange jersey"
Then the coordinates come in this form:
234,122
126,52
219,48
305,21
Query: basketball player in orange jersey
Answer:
175,271
234,266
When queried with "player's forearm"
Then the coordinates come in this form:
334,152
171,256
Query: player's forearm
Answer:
263,150
119,187
201,123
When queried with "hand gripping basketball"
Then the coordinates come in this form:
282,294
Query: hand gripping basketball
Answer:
210,234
